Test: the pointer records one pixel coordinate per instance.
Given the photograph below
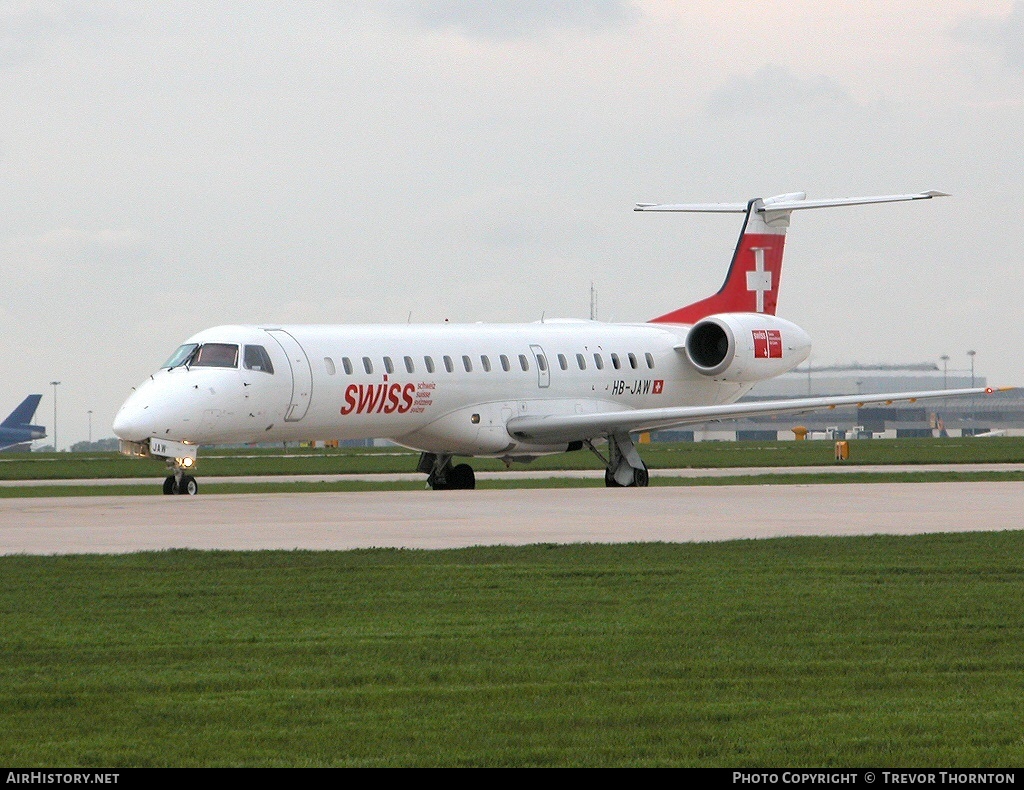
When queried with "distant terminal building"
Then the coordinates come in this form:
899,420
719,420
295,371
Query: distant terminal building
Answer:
1000,413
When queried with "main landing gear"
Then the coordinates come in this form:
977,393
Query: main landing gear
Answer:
443,476
623,467
178,482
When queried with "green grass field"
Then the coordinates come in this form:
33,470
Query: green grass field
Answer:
879,651
216,462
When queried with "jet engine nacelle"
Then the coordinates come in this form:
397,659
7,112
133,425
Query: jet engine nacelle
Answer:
746,347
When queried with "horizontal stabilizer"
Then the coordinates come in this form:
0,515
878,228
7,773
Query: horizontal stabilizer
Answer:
785,203
793,205
709,208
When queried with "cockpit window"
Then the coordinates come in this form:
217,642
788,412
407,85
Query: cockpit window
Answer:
180,357
257,358
216,355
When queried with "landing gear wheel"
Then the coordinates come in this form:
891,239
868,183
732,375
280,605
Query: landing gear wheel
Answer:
169,486
462,477
438,469
188,486
440,481
641,478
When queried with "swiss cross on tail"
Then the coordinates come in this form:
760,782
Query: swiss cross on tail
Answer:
760,281
752,284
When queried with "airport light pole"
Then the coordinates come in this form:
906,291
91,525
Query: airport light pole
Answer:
971,355
90,425
54,385
945,362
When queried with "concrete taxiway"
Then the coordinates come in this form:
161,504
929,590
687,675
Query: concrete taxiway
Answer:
450,519
539,474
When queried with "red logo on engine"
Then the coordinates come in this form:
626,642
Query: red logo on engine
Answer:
659,385
767,343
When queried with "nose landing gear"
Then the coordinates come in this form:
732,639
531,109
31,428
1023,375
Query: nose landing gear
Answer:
180,458
181,484
178,481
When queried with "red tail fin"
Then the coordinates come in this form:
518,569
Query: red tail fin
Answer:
752,284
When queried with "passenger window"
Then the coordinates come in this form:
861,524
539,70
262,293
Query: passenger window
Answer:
389,366
504,363
347,364
328,363
563,363
429,362
542,362
524,363
650,360
581,362
367,365
615,361
448,365
409,367
216,355
632,360
599,361
486,363
257,358
467,363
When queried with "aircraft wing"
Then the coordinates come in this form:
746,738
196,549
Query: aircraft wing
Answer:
555,429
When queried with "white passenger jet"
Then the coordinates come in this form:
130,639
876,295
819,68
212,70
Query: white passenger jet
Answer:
508,391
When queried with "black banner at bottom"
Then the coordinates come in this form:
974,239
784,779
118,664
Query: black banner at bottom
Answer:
731,777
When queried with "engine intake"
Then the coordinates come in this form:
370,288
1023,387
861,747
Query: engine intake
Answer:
709,346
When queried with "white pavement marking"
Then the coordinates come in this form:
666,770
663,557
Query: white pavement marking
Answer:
451,519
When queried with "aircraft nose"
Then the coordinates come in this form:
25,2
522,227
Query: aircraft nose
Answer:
131,422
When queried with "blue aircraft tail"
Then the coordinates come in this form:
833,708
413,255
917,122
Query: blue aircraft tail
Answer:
24,413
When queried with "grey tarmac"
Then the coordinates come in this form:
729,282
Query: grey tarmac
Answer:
537,474
452,519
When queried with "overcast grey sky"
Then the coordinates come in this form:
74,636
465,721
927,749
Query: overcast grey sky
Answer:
166,167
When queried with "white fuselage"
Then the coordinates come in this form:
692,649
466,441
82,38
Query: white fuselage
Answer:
442,388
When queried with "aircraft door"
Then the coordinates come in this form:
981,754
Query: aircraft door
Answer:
543,370
302,374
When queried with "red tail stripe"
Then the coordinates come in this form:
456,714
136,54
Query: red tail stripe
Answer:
752,284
